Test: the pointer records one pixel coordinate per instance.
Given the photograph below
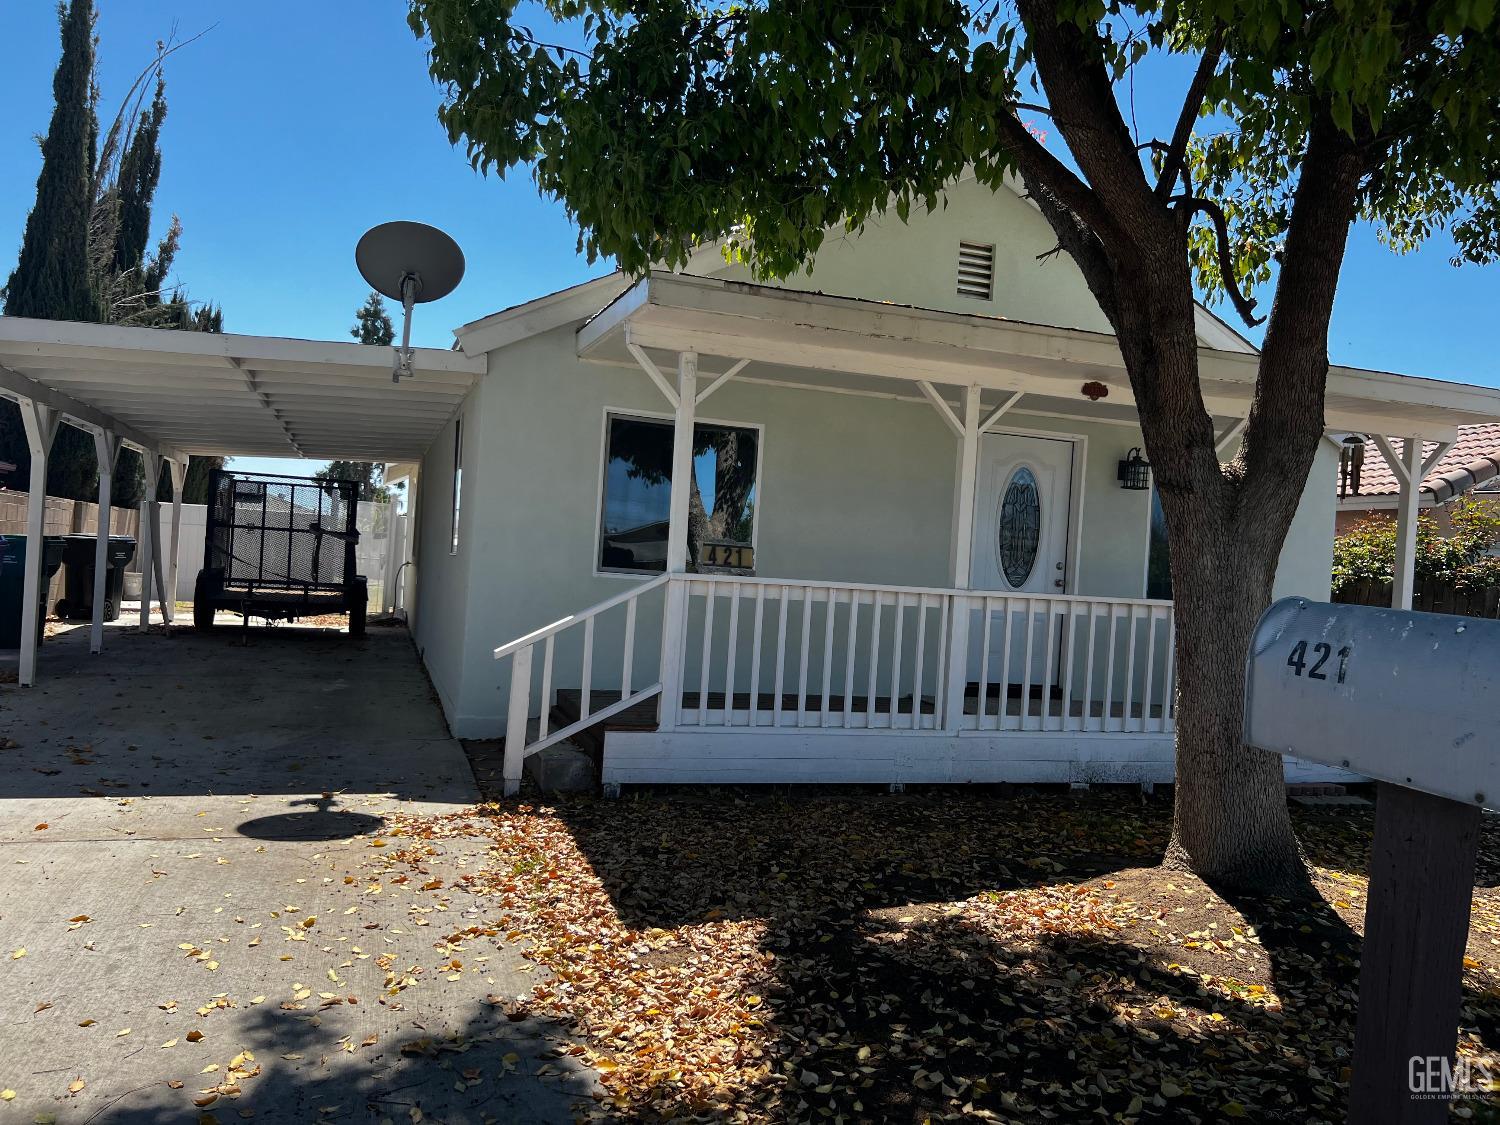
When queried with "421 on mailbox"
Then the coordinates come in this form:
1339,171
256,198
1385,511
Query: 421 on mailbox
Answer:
1309,660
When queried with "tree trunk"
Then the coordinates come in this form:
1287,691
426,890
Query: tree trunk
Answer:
1231,825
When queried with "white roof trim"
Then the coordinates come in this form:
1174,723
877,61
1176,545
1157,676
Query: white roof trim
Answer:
566,306
213,394
739,320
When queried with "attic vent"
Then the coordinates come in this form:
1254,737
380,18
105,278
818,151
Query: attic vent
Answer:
976,270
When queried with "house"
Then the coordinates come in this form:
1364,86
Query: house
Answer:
881,522
1369,487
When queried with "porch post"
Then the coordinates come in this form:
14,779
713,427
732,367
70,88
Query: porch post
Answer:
41,427
1403,575
149,534
675,599
961,568
106,449
178,472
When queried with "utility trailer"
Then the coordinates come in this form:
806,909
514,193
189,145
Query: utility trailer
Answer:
280,547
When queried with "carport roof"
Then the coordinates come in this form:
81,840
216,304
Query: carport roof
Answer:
216,394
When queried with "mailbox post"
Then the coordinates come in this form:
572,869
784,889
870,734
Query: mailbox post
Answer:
1413,701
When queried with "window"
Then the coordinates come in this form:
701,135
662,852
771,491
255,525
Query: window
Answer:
976,270
1158,559
635,512
1019,528
458,480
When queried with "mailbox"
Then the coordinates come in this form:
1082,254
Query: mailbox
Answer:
1409,698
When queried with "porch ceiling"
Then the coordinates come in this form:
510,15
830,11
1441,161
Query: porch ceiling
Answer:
227,395
864,345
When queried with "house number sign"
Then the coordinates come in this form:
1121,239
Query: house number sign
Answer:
730,556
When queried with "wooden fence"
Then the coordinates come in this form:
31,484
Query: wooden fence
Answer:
1428,595
66,517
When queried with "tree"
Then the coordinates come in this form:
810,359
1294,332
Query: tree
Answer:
84,256
52,278
371,477
372,324
761,124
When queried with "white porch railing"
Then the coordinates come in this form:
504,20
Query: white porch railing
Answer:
771,655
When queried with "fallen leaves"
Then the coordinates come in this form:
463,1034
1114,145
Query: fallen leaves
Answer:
723,957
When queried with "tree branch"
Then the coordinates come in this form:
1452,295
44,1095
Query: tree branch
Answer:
1197,89
1080,242
1192,204
1072,70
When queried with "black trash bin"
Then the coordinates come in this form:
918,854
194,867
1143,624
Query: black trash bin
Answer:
13,581
77,602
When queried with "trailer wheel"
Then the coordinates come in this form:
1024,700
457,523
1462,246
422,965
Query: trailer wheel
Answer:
203,605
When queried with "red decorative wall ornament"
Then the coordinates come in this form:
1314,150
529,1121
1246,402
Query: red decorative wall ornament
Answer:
1094,390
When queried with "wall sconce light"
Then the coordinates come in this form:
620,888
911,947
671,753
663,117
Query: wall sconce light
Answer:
1135,471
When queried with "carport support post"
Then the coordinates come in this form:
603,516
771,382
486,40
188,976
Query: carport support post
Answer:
150,534
1416,917
178,472
106,449
41,427
675,597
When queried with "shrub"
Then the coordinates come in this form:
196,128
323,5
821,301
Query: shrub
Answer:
1368,549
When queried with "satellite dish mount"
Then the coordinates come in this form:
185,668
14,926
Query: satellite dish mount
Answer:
412,263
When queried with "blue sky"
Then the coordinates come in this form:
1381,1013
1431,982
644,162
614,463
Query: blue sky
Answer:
292,128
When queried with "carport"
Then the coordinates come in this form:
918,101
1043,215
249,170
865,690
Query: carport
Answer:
171,394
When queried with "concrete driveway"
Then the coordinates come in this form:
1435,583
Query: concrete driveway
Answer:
196,919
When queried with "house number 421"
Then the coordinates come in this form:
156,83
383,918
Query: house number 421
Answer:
1319,654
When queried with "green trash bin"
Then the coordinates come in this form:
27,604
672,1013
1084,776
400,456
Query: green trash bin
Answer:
13,581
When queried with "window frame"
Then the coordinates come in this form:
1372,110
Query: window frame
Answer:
669,418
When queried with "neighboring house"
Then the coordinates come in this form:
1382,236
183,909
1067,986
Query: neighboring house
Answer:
902,549
1368,486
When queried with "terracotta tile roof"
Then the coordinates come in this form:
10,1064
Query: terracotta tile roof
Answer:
1473,460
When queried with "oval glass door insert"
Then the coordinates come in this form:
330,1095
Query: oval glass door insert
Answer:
1019,531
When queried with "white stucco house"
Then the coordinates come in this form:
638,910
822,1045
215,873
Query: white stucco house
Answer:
864,525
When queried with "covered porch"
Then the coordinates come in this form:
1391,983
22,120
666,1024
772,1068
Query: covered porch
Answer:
1034,672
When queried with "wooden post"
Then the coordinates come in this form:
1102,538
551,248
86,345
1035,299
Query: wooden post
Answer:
106,450
675,596
41,427
516,717
956,666
177,470
1411,971
149,536
1404,571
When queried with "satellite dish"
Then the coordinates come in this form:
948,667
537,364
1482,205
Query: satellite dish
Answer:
412,263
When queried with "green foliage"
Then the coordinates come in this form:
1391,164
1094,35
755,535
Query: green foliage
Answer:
52,279
372,324
370,475
1367,551
763,124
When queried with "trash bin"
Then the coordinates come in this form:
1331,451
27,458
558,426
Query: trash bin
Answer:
79,552
13,581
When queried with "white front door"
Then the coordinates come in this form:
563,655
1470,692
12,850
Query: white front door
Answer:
1022,519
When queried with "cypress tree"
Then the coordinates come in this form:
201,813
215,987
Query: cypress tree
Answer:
51,279
372,324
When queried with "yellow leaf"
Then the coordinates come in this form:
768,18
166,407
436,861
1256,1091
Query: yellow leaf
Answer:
18,954
7,1095
75,1085
169,1043
258,999
1470,963
122,1032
